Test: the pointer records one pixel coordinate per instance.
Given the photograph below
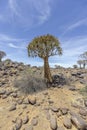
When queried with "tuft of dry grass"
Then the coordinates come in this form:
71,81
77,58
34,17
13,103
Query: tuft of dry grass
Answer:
83,91
30,84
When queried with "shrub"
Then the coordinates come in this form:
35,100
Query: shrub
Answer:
75,66
30,84
83,91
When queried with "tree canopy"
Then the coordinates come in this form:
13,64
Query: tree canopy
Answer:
44,46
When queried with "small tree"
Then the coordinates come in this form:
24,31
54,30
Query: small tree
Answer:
2,54
84,62
44,47
80,62
75,66
84,59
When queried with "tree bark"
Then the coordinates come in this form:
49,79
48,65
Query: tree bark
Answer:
47,73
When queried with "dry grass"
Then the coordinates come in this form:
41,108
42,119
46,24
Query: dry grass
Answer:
83,91
30,84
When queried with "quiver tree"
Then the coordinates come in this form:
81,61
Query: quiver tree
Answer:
44,47
84,59
80,62
2,54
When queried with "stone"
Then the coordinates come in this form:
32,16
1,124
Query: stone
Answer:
25,120
18,124
72,88
83,111
14,120
24,106
26,101
67,123
59,114
45,93
14,95
64,111
28,127
34,121
51,102
53,123
12,108
32,100
2,92
79,123
4,96
55,109
74,104
60,128
47,115
8,92
85,102
19,101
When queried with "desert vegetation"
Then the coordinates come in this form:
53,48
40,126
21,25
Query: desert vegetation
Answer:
35,98
44,47
83,60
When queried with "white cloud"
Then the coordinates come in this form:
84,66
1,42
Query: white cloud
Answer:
29,12
72,48
15,46
12,45
13,6
6,38
75,46
75,25
9,42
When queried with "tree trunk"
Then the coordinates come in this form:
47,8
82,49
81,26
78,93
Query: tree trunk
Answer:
84,65
47,73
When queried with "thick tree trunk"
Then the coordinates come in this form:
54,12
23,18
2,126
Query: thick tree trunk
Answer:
47,73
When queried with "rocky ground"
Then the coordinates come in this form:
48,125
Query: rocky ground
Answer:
59,107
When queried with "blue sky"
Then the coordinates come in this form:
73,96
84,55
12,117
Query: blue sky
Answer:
21,21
